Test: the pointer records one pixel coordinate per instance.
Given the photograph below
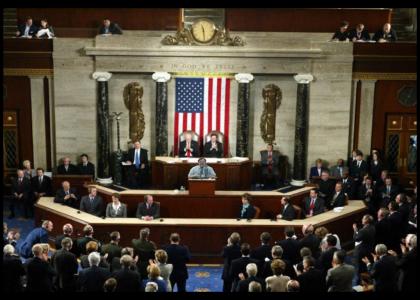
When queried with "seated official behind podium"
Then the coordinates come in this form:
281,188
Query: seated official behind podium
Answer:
202,171
92,203
313,204
137,159
148,210
116,209
67,168
109,28
188,147
27,30
67,195
213,148
247,210
339,197
288,212
86,167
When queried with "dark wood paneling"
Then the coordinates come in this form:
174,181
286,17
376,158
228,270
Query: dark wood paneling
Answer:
47,123
303,20
27,53
29,45
357,116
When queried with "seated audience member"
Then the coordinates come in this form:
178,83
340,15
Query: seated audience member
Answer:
311,280
348,186
82,241
359,34
154,276
396,226
247,210
309,240
27,30
116,209
230,252
67,195
92,279
254,287
148,210
92,246
161,258
338,170
386,34
202,170
375,167
251,272
358,168
382,227
381,181
326,187
36,236
325,259
145,250
67,168
110,285
264,251
270,165
109,28
317,170
276,253
313,204
388,192
178,256
340,276
367,193
41,184
28,172
13,270
39,273
383,270
139,165
112,249
288,212
67,232
92,203
339,197
22,195
65,265
364,242
277,282
45,31
290,245
341,34
188,147
85,166
293,286
213,148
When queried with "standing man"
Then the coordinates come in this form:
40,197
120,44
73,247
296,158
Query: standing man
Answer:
270,165
188,147
86,167
137,159
213,148
202,170
67,168
37,235
358,168
92,203
41,184
21,191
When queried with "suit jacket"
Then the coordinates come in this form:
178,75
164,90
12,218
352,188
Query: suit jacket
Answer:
58,240
325,259
194,146
84,262
290,249
37,235
72,170
339,200
335,171
81,244
39,275
95,208
275,162
408,265
65,264
121,212
368,198
396,229
339,279
128,280
384,271
24,187
382,194
312,281
341,36
44,187
366,236
229,253
113,28
213,153
178,256
349,187
248,214
358,172
244,284
326,188
314,172
288,213
32,30
143,158
382,230
12,273
319,206
59,197
113,250
375,171
145,250
239,266
93,278
390,37
153,210
89,169
260,253
312,242
363,36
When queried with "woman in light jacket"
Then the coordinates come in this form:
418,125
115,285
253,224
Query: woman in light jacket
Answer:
116,209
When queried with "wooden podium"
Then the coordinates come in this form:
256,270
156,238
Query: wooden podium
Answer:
202,187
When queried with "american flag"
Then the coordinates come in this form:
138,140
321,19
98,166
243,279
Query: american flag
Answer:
202,105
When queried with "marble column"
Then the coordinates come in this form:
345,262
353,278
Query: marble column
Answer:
242,133
301,129
161,113
367,99
102,109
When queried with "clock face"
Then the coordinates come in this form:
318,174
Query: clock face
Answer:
203,30
407,96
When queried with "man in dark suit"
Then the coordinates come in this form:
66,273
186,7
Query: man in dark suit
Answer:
386,34
22,195
341,34
67,195
148,210
382,227
311,280
290,245
86,167
326,187
127,280
39,272
324,262
13,271
407,263
92,279
276,253
388,192
338,198
359,34
145,250
288,212
348,185
317,170
358,168
309,240
112,249
109,28
239,265
178,256
213,148
247,210
41,184
67,168
92,203
137,159
264,251
28,29
82,241
340,276
270,165
230,252
313,204
65,264
67,233
396,226
338,170
251,271
188,147
365,241
367,193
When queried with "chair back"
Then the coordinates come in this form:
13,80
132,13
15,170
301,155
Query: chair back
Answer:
298,211
194,135
220,136
257,212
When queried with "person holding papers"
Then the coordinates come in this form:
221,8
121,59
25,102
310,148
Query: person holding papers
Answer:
45,31
202,171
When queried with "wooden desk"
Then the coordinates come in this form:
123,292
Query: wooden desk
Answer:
204,237
172,173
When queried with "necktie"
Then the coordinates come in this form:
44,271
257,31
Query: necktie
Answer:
388,189
311,206
20,180
27,30
67,192
319,172
40,179
188,150
148,206
358,164
201,172
67,168
341,171
270,161
137,159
